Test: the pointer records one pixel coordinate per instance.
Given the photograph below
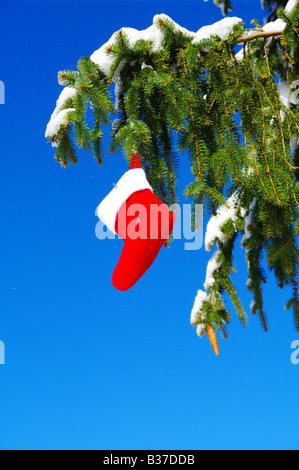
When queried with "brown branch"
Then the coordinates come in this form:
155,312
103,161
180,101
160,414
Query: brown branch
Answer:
69,150
277,253
111,110
261,34
118,143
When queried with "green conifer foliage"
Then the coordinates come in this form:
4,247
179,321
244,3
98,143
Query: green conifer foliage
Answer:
270,5
226,111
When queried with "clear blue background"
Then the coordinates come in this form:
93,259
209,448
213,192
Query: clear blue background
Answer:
89,367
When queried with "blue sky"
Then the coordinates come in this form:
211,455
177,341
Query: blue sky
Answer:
87,366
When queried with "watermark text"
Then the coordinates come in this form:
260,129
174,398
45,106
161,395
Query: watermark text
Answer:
155,222
2,92
2,353
295,353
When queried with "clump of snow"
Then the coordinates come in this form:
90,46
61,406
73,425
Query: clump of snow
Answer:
200,298
200,329
273,26
247,232
58,116
284,93
144,66
246,237
115,124
221,28
67,92
116,92
198,317
216,222
248,223
54,124
290,6
212,266
101,57
154,34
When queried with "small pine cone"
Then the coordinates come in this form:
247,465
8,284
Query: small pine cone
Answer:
213,339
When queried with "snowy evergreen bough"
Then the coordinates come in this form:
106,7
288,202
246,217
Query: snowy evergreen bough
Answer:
233,110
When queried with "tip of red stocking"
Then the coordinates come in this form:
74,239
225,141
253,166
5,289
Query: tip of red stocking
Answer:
137,257
122,286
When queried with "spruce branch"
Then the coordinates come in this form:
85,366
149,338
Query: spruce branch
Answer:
259,35
237,119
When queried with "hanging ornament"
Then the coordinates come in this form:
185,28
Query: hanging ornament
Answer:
132,211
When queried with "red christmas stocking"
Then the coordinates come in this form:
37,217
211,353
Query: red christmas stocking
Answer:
133,212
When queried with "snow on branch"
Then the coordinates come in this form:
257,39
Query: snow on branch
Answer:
104,59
